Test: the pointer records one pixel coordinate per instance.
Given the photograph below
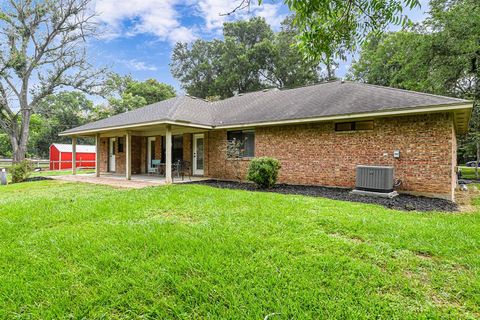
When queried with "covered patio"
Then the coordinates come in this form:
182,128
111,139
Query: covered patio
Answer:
152,153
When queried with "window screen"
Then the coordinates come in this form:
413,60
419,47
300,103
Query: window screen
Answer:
344,126
354,126
364,125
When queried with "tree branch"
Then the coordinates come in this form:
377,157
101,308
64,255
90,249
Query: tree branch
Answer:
241,6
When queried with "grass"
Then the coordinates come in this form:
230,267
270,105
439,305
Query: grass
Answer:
50,173
188,251
468,172
60,172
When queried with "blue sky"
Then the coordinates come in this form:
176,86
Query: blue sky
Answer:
138,35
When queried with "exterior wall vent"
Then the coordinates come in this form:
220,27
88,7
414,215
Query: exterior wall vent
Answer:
375,178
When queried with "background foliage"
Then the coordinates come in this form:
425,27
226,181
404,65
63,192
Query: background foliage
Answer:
440,55
251,57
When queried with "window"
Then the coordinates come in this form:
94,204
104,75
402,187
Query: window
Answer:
247,141
177,148
354,126
120,145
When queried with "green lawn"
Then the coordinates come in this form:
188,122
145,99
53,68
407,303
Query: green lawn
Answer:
468,172
60,172
188,251
48,173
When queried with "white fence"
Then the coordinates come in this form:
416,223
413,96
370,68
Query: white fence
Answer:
39,163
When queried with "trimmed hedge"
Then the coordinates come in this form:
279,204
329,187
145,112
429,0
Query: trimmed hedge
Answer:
264,172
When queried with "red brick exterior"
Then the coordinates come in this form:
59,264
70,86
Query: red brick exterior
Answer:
318,155
103,154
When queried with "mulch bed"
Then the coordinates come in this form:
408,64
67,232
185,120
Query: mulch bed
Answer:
37,179
401,202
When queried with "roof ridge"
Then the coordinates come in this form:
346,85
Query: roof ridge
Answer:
312,84
405,90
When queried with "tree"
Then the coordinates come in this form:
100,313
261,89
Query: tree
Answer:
398,59
251,57
5,147
43,49
56,113
125,93
285,67
329,28
151,90
440,56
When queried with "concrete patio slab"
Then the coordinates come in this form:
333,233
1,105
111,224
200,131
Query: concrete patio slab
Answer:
117,181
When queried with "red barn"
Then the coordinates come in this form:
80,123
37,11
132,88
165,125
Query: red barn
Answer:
61,156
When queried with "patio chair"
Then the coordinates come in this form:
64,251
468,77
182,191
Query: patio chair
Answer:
182,168
155,169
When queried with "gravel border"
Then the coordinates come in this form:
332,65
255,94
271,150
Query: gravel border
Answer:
401,202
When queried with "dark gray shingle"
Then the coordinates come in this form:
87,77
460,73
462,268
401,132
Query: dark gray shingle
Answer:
327,99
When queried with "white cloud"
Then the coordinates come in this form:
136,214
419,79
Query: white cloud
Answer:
271,13
163,18
129,18
137,65
213,13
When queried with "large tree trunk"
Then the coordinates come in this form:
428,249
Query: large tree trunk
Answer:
19,138
17,154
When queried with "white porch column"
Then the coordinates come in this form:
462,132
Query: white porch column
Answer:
128,155
97,155
74,155
168,154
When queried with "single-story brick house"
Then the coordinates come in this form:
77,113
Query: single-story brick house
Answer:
320,133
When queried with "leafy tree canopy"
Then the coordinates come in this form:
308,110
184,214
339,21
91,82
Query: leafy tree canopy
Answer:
329,28
43,50
251,57
124,93
56,113
440,56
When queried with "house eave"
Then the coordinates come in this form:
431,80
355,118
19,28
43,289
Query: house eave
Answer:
461,111
134,126
461,122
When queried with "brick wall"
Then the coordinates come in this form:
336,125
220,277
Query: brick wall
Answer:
136,154
216,164
103,154
143,154
316,154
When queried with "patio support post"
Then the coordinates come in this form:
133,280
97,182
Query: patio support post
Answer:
168,154
97,155
128,155
74,155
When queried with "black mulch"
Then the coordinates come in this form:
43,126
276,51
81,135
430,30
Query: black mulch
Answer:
37,179
401,202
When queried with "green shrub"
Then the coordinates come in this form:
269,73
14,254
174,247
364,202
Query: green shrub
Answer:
263,171
21,171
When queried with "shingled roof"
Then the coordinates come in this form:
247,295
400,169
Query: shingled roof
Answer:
331,99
